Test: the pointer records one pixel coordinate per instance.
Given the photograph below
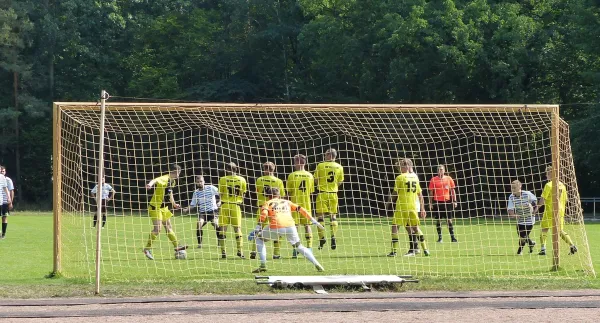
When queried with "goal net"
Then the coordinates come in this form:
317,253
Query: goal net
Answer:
483,148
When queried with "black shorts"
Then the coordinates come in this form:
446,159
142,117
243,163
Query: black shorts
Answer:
442,210
102,206
4,210
524,230
209,216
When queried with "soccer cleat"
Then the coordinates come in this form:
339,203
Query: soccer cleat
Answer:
276,257
519,253
417,252
148,254
252,254
295,254
426,253
260,269
439,240
409,254
322,243
531,245
573,250
319,268
223,255
392,254
241,255
199,246
333,243
454,240
542,252
181,248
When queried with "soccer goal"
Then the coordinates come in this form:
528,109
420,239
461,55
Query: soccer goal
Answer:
484,148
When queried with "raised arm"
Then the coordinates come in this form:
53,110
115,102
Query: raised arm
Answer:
302,211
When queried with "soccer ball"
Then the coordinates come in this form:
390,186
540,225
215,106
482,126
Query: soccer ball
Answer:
181,254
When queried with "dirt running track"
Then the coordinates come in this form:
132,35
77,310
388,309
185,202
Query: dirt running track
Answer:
480,307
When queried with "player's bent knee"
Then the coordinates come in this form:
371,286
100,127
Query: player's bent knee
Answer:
297,244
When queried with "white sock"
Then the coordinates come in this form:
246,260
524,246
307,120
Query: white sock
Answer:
262,251
308,254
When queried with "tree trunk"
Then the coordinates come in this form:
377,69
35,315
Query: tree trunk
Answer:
17,176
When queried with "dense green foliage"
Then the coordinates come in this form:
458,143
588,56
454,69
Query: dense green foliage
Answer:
400,51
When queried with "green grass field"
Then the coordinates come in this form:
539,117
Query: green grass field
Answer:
484,259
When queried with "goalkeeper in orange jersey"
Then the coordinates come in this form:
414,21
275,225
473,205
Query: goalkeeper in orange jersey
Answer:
328,177
406,189
158,209
262,183
278,213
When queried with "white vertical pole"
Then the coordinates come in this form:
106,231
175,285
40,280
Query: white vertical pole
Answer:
103,98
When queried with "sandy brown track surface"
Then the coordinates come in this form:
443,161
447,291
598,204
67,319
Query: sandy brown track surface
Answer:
480,307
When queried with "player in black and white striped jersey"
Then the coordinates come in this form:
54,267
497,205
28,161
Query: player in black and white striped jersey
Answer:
106,194
8,197
207,202
521,205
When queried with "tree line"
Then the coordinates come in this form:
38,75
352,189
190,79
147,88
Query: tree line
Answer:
335,51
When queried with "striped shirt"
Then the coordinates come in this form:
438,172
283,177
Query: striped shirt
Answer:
205,199
2,186
10,186
522,205
106,189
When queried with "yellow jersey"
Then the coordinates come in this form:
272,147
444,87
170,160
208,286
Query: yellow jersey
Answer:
163,186
547,194
408,189
300,184
264,182
329,175
232,189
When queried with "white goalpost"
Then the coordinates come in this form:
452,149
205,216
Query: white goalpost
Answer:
483,147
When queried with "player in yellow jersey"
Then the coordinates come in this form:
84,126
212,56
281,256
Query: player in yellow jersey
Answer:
406,189
328,177
277,212
300,185
547,219
232,188
158,209
263,183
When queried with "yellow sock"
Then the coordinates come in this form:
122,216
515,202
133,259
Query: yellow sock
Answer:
334,227
309,240
565,236
423,242
395,243
321,231
172,238
276,248
221,242
239,241
151,239
543,237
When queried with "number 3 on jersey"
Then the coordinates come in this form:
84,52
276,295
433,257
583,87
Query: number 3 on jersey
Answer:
330,177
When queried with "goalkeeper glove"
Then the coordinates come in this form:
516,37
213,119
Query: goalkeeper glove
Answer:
254,232
319,225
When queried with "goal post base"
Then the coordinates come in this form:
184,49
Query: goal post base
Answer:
318,282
